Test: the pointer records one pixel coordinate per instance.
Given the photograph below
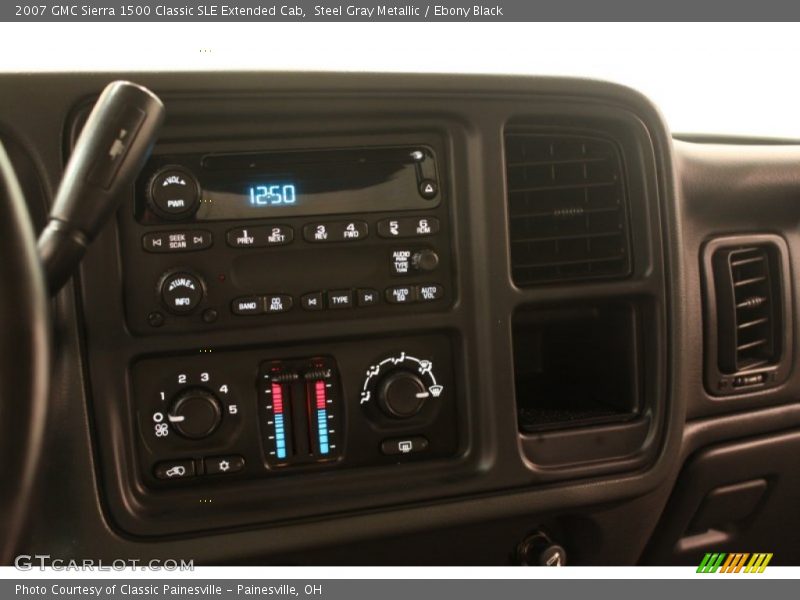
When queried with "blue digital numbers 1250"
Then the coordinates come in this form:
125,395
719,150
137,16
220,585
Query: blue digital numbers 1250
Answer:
273,195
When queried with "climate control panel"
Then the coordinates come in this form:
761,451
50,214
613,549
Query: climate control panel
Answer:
213,416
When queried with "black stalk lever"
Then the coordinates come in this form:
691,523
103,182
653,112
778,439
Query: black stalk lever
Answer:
110,152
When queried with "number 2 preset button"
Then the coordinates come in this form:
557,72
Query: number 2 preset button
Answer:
260,237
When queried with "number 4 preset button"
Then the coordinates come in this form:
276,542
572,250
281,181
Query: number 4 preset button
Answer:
335,231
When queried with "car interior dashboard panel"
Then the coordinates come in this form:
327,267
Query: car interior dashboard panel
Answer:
417,319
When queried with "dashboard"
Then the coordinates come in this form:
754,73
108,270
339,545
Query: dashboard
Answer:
417,319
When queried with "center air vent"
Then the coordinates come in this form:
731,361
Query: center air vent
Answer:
568,215
748,319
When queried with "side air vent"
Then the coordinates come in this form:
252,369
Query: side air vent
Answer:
568,216
749,312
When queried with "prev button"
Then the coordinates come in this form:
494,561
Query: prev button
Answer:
260,237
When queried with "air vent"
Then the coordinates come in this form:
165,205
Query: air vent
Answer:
748,316
567,208
749,320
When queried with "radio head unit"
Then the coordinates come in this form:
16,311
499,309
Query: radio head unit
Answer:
278,184
254,238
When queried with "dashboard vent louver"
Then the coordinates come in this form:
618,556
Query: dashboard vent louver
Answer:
748,308
567,208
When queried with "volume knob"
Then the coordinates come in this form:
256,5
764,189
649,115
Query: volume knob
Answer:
195,413
402,394
174,193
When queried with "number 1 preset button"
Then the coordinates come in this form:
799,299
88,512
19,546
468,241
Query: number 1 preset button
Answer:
260,236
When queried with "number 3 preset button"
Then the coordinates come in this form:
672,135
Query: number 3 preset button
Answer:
335,231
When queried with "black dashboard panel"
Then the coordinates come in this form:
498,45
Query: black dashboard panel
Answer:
229,347
408,469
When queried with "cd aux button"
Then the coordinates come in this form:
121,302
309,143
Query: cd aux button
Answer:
277,303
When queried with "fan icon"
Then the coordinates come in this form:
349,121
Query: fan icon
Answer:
224,465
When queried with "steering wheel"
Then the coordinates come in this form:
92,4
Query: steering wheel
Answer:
25,354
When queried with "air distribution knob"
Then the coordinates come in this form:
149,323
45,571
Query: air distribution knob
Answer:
402,394
195,413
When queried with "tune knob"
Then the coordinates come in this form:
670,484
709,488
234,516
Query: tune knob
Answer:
181,291
401,394
195,413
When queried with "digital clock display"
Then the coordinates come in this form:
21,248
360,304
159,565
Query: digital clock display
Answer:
272,194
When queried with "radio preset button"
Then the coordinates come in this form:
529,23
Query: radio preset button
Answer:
401,294
367,297
312,301
277,303
335,231
340,299
181,292
247,306
408,227
260,237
